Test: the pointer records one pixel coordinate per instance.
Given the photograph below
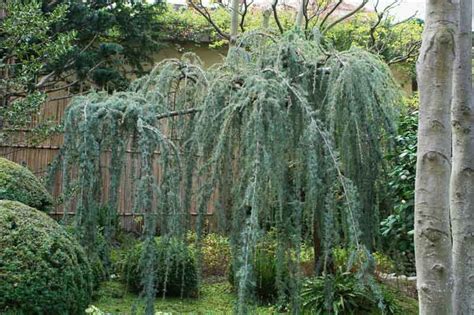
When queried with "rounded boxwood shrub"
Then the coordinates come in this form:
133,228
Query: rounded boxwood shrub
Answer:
19,184
175,269
43,269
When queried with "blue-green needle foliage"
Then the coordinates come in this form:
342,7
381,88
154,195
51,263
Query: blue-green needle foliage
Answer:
284,134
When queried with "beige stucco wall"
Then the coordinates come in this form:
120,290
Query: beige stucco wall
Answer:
211,56
404,78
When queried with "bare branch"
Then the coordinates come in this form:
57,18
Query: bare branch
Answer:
412,52
320,9
345,17
178,113
275,15
406,20
301,15
326,17
246,5
205,13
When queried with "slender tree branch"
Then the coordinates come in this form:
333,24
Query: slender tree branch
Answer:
178,113
333,9
275,16
345,17
320,9
205,13
246,5
412,51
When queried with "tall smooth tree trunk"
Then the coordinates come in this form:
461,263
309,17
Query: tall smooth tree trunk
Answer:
266,18
234,20
432,222
462,176
299,22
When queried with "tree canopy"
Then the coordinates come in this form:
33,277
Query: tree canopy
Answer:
50,46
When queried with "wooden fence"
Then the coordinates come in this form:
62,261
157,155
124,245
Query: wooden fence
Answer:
39,156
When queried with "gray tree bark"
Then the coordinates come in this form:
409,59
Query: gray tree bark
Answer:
234,20
266,18
462,176
432,222
299,22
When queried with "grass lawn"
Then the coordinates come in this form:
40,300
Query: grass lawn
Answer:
216,298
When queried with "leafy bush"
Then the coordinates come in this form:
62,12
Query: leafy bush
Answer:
216,254
264,270
341,256
397,228
43,269
343,293
17,183
99,273
334,294
175,269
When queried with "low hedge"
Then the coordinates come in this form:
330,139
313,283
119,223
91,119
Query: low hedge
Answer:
20,184
175,269
43,269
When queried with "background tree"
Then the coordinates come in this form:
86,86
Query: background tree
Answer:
398,42
321,14
71,46
26,41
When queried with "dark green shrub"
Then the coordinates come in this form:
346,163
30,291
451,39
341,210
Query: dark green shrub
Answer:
397,228
43,269
96,258
264,268
342,256
99,273
175,270
19,184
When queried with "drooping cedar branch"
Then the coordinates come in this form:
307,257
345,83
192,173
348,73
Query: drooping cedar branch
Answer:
297,139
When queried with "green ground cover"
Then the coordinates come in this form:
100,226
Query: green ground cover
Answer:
216,298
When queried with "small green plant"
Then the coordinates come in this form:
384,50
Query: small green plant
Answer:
216,254
264,271
175,271
383,263
335,294
344,293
